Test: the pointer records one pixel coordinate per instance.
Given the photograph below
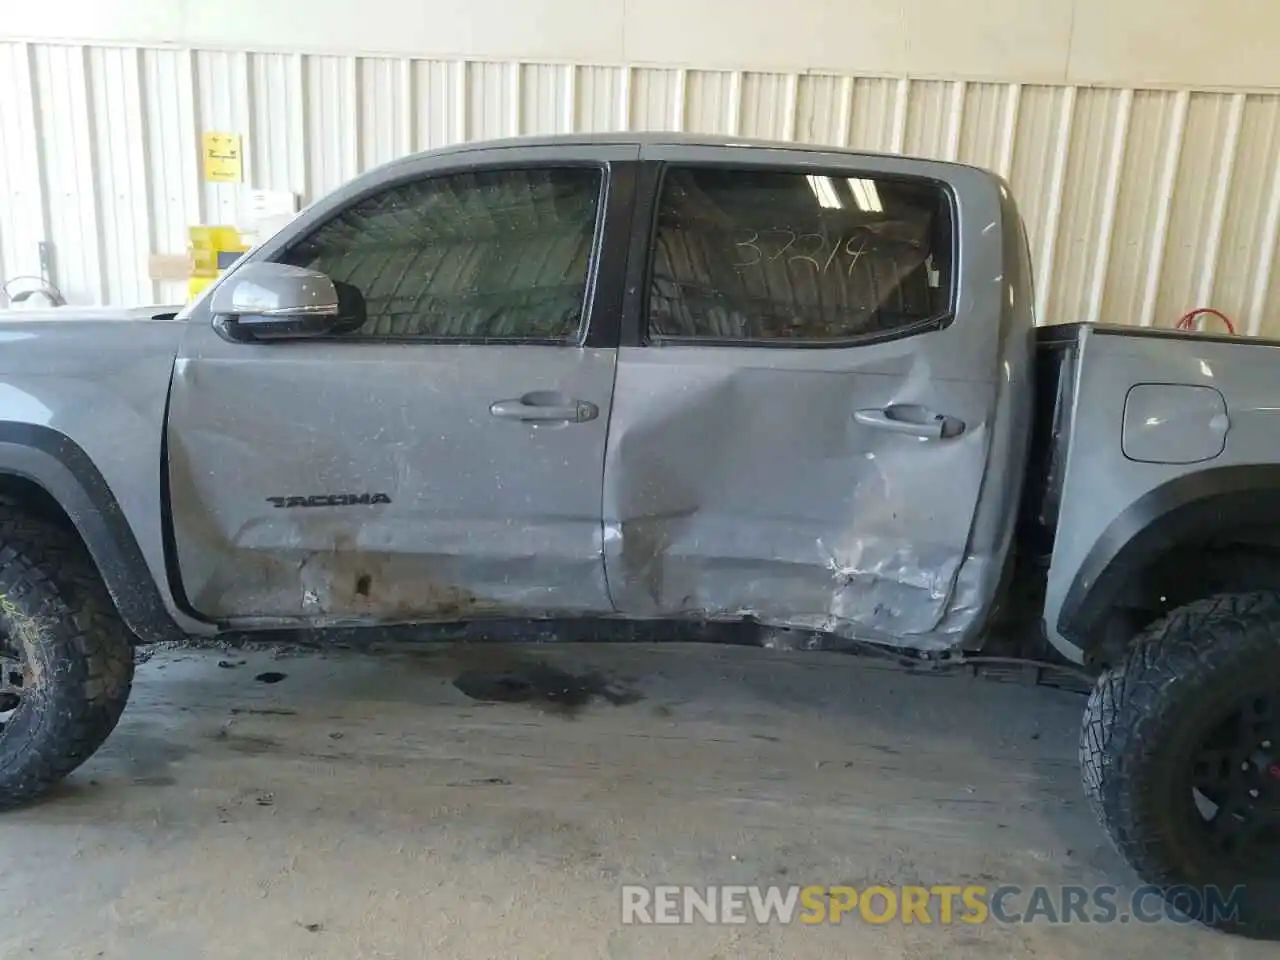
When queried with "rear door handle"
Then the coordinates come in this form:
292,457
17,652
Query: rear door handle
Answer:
531,408
911,420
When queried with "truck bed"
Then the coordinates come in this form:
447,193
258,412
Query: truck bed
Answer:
1122,414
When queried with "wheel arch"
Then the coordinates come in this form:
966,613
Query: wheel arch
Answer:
37,458
1236,507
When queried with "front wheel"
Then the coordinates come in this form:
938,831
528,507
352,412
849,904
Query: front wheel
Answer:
1180,756
66,659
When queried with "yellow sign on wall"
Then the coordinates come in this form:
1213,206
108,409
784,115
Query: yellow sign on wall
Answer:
222,158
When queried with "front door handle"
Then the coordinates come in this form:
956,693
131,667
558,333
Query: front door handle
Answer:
911,420
540,407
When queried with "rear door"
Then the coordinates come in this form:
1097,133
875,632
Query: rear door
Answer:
443,458
800,424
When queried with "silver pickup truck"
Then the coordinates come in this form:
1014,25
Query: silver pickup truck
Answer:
666,380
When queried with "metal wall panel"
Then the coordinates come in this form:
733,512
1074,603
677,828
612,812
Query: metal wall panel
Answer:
70,152
1082,234
655,96
713,101
383,87
277,150
118,131
549,102
1143,198
603,99
439,102
172,160
986,131
822,103
878,114
1140,204
928,120
768,106
23,220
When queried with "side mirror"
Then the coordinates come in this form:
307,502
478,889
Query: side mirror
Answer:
274,301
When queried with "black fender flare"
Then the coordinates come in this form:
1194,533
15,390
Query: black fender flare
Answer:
58,465
1175,512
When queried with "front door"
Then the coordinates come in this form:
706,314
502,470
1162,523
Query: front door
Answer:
801,419
440,457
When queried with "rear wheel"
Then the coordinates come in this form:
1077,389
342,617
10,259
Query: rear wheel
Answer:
66,659
1180,755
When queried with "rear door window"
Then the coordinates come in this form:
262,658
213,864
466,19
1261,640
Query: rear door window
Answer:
766,256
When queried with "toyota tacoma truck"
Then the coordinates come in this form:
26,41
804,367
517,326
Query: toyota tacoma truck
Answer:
668,380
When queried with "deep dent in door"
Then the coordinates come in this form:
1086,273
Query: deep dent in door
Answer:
672,547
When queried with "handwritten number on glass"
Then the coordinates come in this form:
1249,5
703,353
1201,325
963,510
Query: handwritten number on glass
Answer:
749,245
773,243
791,238
811,250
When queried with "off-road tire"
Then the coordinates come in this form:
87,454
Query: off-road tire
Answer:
78,652
1140,725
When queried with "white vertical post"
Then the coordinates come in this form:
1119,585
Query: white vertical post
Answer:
734,122
39,172
569,107
898,135
845,121
408,113
1049,240
955,120
1009,130
1160,230
790,106
190,92
299,128
1266,257
1221,194
515,93
678,99
624,99
94,158
461,102
144,163
355,109
1110,199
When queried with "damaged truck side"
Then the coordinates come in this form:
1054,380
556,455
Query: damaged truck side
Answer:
670,380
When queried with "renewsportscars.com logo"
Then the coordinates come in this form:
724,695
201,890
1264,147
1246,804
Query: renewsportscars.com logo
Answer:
937,904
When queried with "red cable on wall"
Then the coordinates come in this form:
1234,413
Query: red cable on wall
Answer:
1187,322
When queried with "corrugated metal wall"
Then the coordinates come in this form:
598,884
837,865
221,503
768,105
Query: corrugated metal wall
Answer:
1140,203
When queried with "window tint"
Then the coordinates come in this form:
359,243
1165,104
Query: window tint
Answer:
489,254
751,255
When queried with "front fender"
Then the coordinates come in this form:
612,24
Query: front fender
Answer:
62,469
83,394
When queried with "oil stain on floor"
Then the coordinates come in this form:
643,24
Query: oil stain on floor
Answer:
541,683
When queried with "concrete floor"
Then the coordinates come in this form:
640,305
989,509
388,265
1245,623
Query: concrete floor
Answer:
364,807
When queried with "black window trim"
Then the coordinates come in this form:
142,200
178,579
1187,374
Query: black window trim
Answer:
616,189
636,329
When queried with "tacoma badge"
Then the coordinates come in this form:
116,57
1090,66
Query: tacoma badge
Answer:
329,500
